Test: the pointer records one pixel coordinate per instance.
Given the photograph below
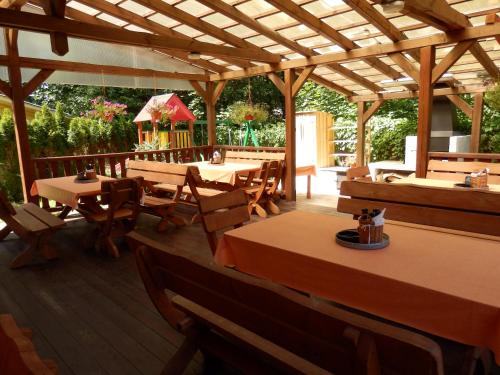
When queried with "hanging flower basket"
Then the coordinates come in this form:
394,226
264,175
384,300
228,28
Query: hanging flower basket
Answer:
240,113
161,111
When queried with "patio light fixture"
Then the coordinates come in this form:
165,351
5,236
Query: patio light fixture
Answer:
392,6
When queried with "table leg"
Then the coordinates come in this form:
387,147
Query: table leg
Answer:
308,186
65,211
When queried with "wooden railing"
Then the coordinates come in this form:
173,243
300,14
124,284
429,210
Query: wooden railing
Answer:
114,164
464,156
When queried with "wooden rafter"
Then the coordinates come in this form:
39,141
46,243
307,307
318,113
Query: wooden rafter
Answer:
58,40
14,4
440,14
35,22
491,19
468,33
36,81
461,104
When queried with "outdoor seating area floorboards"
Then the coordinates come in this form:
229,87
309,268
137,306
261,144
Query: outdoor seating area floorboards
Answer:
90,312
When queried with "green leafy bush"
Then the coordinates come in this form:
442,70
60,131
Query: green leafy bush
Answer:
10,180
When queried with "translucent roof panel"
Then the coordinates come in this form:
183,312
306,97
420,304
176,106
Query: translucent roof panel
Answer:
82,8
136,8
187,30
193,7
219,20
297,32
253,8
277,20
163,20
109,18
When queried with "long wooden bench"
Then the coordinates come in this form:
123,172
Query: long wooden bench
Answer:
252,156
263,328
466,210
33,225
18,356
457,170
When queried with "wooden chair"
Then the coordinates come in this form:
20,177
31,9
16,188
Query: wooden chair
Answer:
465,210
457,170
261,193
358,173
18,356
261,327
33,225
221,211
155,202
123,199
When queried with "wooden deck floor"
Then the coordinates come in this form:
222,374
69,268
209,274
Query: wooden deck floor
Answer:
91,313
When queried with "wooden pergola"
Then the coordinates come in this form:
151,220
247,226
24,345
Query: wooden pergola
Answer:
354,47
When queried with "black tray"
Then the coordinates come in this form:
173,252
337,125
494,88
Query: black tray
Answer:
350,238
85,180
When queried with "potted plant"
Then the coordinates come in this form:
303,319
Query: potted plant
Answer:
246,114
155,110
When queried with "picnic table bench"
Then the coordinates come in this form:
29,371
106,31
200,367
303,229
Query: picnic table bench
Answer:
457,170
33,225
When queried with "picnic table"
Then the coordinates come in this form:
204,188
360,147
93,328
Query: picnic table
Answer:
226,172
439,183
68,192
443,282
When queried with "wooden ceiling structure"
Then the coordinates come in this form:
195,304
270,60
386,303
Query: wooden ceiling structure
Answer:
425,48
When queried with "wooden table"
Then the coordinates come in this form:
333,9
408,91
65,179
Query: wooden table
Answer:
67,191
440,183
306,170
441,282
226,172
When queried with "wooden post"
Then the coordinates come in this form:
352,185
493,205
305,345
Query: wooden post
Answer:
173,138
290,135
477,116
191,132
139,133
360,139
211,118
427,60
21,129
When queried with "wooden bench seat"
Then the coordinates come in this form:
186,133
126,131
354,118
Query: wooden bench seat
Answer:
33,225
262,328
466,210
18,356
154,173
457,170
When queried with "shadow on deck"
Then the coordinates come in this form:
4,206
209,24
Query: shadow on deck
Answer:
91,313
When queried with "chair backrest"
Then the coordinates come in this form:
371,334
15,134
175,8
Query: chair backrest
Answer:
456,170
18,356
320,333
252,156
158,172
122,192
358,173
196,182
221,211
460,209
6,208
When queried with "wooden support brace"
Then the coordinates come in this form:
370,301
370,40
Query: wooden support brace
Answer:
450,59
302,78
461,104
218,91
36,81
6,89
199,90
406,65
278,82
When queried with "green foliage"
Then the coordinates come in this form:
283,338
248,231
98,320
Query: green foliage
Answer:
10,181
149,146
388,137
313,97
240,112
492,97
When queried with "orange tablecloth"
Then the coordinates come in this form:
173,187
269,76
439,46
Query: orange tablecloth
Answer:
65,190
438,183
442,283
226,172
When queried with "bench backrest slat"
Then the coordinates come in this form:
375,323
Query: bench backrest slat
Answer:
158,172
456,170
314,332
253,156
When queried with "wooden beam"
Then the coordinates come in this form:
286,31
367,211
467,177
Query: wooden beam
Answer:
36,22
405,64
477,116
211,115
476,32
461,104
360,136
331,85
290,145
367,115
278,82
218,91
415,94
19,111
14,4
71,66
491,19
200,90
58,40
36,81
450,59
440,14
427,60
5,89
301,79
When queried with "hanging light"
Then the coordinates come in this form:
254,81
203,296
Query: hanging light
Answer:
194,56
392,6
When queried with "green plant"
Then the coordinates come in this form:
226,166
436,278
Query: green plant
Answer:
492,97
149,146
241,112
10,180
